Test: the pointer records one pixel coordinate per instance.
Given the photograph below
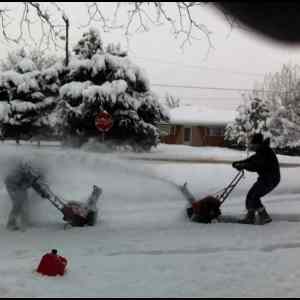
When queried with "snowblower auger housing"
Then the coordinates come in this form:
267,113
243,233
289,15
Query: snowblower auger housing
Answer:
72,217
204,210
79,215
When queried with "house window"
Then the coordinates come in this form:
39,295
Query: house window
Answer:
187,135
216,131
164,129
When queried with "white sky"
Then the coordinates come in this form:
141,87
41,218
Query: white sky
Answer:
239,58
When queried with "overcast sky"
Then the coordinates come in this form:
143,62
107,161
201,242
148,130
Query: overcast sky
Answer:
238,60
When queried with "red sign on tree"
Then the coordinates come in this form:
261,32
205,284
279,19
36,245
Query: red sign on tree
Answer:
103,121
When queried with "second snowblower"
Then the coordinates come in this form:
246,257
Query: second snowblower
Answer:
207,209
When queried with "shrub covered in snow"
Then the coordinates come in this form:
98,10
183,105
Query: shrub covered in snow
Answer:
28,98
252,117
278,121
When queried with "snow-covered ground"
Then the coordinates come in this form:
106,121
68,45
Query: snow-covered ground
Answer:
144,246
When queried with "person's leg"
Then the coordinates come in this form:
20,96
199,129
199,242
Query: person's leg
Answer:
253,201
16,218
254,204
263,216
24,216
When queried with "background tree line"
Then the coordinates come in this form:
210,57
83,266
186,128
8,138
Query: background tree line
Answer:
273,108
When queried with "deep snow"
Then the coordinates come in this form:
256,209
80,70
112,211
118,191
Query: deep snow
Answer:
144,246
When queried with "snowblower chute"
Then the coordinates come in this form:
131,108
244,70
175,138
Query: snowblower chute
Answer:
207,209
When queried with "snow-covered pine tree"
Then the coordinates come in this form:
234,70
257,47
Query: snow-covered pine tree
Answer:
252,117
285,129
27,95
89,44
282,93
26,60
105,80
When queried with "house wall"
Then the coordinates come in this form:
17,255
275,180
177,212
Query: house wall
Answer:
176,138
200,137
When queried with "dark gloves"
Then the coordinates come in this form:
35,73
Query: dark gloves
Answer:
238,165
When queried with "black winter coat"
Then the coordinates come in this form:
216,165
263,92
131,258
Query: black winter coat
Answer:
264,162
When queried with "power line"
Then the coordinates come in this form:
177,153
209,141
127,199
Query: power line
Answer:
215,69
204,97
210,98
209,88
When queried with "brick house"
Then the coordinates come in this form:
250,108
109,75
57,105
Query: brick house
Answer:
190,125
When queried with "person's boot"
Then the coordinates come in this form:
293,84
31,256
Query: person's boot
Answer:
12,222
249,218
263,216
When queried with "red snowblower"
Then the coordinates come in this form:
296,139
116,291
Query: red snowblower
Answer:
208,208
76,213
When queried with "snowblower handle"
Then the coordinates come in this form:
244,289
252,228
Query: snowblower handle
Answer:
231,186
44,191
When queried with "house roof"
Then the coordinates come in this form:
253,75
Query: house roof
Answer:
193,115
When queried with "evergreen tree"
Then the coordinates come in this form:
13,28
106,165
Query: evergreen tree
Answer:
27,60
89,44
285,128
108,81
282,93
26,98
253,117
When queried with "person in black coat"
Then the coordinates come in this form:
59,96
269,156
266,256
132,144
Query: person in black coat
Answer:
265,163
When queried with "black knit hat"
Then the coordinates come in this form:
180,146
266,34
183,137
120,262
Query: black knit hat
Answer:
257,138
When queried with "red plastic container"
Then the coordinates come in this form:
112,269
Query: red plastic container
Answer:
52,264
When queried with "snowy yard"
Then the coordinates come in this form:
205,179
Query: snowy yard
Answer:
144,246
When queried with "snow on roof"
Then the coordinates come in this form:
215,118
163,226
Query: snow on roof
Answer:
193,115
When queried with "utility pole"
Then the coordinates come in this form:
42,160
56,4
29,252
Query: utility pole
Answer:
66,20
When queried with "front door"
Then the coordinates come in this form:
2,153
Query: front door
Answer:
187,135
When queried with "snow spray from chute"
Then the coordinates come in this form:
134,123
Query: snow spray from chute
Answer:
206,209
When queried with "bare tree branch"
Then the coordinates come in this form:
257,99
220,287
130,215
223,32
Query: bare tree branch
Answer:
142,15
131,17
31,14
